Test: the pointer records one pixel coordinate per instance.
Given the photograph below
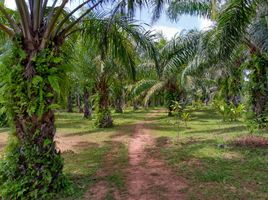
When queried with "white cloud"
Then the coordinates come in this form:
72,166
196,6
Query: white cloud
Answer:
205,24
168,32
10,4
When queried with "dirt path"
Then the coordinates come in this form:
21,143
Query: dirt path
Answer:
147,177
150,178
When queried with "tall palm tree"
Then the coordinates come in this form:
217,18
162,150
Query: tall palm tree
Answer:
226,73
172,58
118,38
250,29
86,71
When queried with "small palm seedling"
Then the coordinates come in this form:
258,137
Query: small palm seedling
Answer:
237,112
176,107
186,117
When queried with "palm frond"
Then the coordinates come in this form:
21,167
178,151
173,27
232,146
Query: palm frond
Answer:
142,86
181,50
199,8
233,23
153,90
258,31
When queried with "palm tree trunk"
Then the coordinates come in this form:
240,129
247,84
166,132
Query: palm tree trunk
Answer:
119,105
170,96
34,152
259,93
87,108
135,105
70,103
104,115
38,156
80,109
119,102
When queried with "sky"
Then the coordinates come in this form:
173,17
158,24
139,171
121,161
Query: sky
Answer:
163,25
169,28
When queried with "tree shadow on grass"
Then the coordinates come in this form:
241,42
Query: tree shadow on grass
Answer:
207,116
88,132
165,127
155,118
81,168
73,125
219,131
252,164
93,165
126,130
68,116
127,117
138,116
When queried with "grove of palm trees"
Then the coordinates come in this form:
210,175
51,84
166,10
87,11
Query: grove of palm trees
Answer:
96,104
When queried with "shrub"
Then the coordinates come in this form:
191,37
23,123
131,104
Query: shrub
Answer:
229,112
185,117
176,107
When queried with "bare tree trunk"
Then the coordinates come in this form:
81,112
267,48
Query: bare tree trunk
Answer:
80,109
135,105
119,103
87,108
118,106
158,101
170,96
70,103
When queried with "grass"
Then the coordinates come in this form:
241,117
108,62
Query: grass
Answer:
107,157
82,169
202,153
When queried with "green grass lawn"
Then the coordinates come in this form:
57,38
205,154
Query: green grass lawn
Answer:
202,153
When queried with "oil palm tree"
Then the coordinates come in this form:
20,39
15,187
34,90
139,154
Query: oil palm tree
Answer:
172,58
111,57
251,30
85,72
226,73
